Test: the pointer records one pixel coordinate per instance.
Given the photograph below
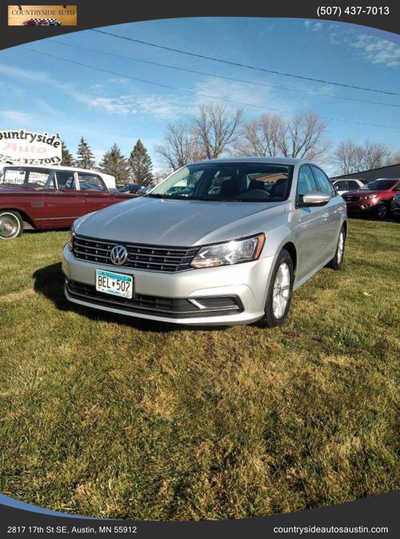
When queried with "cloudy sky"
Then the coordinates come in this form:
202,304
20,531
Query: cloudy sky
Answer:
114,90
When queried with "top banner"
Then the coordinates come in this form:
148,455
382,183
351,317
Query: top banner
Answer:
383,15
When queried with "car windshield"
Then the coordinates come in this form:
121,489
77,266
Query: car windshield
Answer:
35,178
231,182
379,185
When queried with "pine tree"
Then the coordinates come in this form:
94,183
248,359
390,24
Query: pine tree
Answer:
85,156
141,165
66,157
114,163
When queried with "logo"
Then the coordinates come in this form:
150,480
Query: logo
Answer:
42,15
119,255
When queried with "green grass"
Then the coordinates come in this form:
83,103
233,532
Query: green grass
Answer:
111,417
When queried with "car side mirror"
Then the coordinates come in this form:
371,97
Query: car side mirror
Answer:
316,198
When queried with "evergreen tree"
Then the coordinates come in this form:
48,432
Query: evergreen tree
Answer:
114,163
66,157
85,156
141,165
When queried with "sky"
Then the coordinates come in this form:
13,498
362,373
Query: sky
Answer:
122,93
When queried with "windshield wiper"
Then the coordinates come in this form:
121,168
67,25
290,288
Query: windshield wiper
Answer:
159,195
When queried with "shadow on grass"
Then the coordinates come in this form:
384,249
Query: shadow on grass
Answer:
49,281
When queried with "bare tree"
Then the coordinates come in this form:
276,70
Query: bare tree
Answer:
375,155
348,156
216,128
206,137
261,138
352,157
181,146
394,159
303,136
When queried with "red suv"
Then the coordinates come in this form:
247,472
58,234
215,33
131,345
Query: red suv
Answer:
373,198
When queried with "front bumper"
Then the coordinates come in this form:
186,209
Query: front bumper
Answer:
362,206
239,289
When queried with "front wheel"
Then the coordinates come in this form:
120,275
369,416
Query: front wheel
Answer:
280,292
10,224
381,211
337,261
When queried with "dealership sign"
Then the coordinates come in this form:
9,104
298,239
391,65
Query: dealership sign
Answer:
29,148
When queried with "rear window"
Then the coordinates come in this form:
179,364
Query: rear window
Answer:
380,185
38,178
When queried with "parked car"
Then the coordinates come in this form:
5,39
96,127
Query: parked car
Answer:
395,206
343,186
44,198
373,198
221,253
128,188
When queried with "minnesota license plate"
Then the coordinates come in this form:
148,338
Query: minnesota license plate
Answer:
116,284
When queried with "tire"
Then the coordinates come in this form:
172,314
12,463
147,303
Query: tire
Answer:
337,261
381,211
11,225
278,301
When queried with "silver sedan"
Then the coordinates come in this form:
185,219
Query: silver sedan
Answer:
218,242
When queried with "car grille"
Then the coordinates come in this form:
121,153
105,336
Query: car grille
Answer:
140,256
161,306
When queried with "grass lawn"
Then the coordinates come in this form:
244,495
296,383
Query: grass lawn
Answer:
110,417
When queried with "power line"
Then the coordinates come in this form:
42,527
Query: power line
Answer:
204,73
247,66
189,91
123,75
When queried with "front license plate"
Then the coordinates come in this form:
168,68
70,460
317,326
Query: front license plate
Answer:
116,284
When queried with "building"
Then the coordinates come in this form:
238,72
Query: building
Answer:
390,171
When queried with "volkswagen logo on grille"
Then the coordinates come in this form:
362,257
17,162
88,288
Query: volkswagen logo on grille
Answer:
118,255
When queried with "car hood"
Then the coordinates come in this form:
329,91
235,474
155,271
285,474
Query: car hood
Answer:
176,222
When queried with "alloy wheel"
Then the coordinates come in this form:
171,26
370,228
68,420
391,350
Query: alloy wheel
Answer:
281,290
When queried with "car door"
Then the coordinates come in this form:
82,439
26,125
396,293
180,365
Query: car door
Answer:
95,192
333,211
309,226
68,201
55,202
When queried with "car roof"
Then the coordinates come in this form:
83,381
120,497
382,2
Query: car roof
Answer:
266,160
60,167
347,179
382,180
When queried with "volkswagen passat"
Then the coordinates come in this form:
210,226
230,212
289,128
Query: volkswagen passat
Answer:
217,242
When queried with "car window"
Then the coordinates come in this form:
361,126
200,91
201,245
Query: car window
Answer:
379,185
38,177
14,175
353,186
324,185
306,183
341,186
228,181
66,181
90,182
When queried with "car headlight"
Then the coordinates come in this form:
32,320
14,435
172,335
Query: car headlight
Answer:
231,252
70,240
367,197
